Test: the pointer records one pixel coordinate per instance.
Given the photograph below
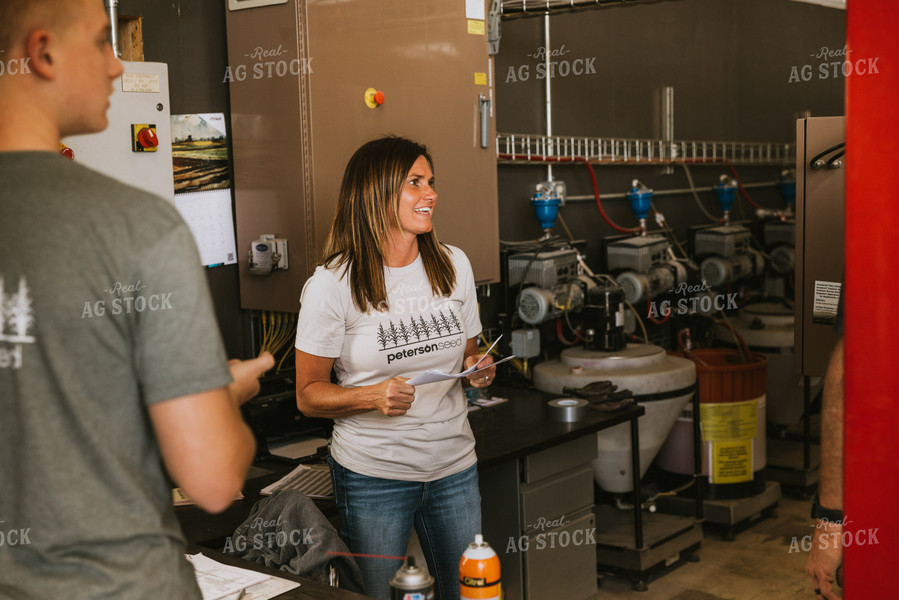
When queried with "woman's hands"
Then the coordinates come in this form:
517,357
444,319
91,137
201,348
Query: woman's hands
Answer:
480,379
394,397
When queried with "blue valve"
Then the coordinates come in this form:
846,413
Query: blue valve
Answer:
725,193
547,209
641,201
787,187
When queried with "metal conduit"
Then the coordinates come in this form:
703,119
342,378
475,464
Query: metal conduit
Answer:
671,192
112,7
534,8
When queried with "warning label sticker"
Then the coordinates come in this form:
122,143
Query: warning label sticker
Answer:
729,421
827,298
731,462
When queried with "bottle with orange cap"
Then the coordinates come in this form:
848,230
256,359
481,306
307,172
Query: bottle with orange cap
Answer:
479,573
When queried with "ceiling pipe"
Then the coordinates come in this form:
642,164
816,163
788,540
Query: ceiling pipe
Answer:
112,7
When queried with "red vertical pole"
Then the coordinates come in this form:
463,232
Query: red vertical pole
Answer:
871,478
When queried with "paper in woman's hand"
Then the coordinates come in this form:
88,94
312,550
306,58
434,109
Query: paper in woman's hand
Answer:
433,375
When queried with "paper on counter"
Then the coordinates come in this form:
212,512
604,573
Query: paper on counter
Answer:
297,447
218,580
270,588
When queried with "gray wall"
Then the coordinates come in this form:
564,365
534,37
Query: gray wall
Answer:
189,35
730,63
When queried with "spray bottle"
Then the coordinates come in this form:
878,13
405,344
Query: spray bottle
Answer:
479,573
411,582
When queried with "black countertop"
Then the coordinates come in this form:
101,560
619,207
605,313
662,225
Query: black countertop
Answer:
504,432
523,425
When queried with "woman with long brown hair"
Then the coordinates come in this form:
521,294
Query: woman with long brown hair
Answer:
389,301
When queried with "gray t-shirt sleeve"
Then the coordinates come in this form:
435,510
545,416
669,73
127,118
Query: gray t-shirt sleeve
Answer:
465,282
321,325
179,349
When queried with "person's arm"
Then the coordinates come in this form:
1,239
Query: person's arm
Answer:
206,445
827,551
318,397
484,378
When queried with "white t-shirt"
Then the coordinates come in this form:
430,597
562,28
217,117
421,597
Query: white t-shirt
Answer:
418,332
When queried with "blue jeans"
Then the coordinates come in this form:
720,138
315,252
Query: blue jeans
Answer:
376,518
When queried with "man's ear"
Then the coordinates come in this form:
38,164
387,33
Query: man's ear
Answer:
39,53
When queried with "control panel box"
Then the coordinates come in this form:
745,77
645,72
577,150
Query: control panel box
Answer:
544,269
136,147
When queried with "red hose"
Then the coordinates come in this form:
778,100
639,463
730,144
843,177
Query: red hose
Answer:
653,319
733,172
605,217
561,336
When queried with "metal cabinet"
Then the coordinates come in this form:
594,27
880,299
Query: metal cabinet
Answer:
538,516
298,75
820,199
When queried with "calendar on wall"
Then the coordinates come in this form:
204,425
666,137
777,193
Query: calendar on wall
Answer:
209,216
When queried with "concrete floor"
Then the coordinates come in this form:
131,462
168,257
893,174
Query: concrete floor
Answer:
758,565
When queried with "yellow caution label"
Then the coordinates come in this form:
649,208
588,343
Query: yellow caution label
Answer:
729,421
731,461
480,78
476,27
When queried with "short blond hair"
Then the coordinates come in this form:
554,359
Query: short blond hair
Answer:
18,18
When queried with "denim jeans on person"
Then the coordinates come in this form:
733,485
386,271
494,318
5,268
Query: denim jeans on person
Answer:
376,518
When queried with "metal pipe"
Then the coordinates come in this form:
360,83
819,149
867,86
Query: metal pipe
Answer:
112,7
666,103
549,94
666,124
528,8
673,192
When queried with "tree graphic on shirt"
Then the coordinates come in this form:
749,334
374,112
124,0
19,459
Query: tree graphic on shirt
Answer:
424,327
404,333
437,325
16,316
392,334
455,321
414,329
442,324
382,336
2,308
445,322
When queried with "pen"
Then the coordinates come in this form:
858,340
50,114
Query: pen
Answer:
488,351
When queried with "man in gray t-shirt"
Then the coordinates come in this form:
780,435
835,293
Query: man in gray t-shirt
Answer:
112,371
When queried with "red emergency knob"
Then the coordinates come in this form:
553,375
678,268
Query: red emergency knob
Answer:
146,137
373,98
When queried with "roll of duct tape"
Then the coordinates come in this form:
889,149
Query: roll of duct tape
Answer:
568,410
